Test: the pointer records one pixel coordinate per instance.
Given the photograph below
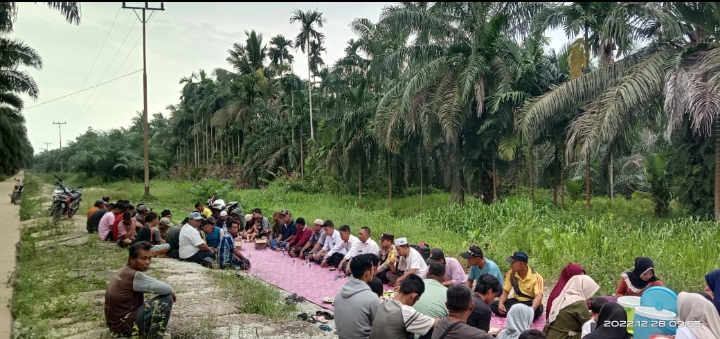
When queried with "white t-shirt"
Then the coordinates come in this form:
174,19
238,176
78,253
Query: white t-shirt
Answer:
333,243
358,247
684,333
413,260
189,241
586,328
421,323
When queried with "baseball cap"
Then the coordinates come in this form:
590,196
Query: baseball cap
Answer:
318,222
517,256
387,236
401,242
472,252
223,214
142,208
435,255
196,216
284,212
165,221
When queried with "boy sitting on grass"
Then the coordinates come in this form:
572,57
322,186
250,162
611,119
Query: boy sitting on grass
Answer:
595,307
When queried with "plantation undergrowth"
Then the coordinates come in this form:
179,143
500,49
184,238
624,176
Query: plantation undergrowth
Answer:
604,241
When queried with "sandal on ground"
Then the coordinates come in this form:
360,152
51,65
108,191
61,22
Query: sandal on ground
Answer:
328,300
319,319
325,327
325,315
303,316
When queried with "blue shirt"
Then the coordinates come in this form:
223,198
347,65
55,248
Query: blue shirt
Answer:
490,268
289,230
213,239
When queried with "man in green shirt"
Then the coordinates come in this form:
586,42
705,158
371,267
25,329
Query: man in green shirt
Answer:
433,301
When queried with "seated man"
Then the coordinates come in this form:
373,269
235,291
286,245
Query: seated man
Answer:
333,251
364,245
317,239
407,262
349,242
397,319
229,255
454,272
525,282
480,265
355,303
107,220
126,309
192,247
485,292
386,253
127,230
151,233
303,235
460,305
173,238
96,213
432,303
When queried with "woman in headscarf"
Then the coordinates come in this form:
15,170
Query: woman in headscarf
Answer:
635,282
713,287
568,272
609,313
701,320
570,311
519,319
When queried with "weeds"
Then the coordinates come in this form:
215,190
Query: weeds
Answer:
253,295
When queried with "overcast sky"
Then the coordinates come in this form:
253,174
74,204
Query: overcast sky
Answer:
184,38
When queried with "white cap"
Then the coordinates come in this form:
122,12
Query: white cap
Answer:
248,217
318,222
223,214
401,242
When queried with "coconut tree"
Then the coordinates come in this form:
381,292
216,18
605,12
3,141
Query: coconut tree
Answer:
8,13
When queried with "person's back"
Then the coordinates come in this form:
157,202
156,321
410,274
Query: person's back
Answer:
432,302
121,301
186,247
452,329
355,304
454,326
93,220
397,319
389,322
173,238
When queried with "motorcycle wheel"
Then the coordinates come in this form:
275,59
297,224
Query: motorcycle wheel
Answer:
56,212
13,198
71,213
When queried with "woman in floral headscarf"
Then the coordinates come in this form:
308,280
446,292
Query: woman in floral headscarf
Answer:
635,282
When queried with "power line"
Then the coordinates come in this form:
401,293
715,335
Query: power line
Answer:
116,72
82,90
97,56
107,69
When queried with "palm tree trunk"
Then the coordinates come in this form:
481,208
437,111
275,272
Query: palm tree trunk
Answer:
562,186
421,179
406,174
531,161
610,175
359,185
292,110
389,167
717,169
494,179
587,179
302,155
312,129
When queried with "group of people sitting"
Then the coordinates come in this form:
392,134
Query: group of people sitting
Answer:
434,296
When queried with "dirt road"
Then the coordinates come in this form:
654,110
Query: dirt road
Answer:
10,221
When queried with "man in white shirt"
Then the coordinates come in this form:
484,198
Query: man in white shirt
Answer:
364,245
333,250
408,261
191,246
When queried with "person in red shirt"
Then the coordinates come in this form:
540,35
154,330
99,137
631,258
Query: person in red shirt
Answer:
302,237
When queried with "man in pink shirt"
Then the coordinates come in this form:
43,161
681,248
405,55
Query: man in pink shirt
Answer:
106,222
303,235
454,272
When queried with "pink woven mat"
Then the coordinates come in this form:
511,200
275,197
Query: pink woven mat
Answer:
311,281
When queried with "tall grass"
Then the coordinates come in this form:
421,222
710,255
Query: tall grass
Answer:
604,241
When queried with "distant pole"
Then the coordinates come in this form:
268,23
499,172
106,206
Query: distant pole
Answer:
143,20
59,125
47,146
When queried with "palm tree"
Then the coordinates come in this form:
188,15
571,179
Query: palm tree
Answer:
308,34
8,13
279,52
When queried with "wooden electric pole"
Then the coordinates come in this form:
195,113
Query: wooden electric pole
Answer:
47,146
59,124
143,20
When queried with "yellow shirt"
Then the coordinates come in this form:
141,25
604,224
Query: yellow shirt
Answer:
532,285
207,212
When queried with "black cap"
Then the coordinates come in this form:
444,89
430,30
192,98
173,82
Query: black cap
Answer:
517,256
435,255
472,252
387,236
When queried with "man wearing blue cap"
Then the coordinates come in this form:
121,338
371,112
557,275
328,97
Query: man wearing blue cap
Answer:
526,284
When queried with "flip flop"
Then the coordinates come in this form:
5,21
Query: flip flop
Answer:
325,328
303,316
319,319
325,315
328,300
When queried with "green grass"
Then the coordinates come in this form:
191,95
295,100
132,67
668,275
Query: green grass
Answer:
605,241
257,297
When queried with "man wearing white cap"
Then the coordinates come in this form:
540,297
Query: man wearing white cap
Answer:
408,261
222,222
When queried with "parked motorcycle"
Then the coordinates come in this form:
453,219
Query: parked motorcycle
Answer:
17,192
66,200
219,204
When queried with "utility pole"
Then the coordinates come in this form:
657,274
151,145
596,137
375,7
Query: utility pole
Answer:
143,20
59,125
47,146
